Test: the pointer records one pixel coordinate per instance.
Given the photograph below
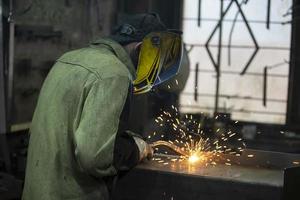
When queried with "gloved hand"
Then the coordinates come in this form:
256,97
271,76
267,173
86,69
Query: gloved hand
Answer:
146,151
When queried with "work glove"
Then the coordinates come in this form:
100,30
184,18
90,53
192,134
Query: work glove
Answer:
146,151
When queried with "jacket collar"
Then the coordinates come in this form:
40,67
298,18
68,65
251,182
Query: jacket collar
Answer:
119,51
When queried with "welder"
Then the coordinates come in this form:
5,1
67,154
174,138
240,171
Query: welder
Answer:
79,137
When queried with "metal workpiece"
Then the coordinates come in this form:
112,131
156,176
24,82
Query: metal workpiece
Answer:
259,175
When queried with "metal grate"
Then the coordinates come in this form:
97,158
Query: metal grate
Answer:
239,52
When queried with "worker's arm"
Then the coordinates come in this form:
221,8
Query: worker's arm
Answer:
100,147
130,149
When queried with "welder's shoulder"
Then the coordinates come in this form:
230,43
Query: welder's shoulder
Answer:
102,63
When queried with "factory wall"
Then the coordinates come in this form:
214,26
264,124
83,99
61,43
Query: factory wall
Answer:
44,30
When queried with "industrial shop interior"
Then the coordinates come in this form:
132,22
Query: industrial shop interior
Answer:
149,100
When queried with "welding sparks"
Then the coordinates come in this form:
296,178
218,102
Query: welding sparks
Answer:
191,141
193,158
296,163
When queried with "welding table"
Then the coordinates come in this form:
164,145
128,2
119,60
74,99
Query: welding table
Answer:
266,176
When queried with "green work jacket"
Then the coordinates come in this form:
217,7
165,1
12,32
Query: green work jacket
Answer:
74,127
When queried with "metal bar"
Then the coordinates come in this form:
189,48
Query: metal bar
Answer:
252,37
249,62
10,62
199,13
265,86
220,38
219,59
211,57
278,64
196,83
231,20
212,34
188,50
3,128
268,14
234,97
237,73
293,109
265,80
230,38
231,33
240,47
235,110
3,112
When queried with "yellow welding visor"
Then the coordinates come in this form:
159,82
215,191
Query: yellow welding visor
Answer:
159,60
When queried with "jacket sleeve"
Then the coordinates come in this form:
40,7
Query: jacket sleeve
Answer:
97,130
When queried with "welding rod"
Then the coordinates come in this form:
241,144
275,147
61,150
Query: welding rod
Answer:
169,145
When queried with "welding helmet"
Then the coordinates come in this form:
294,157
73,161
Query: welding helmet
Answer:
159,59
